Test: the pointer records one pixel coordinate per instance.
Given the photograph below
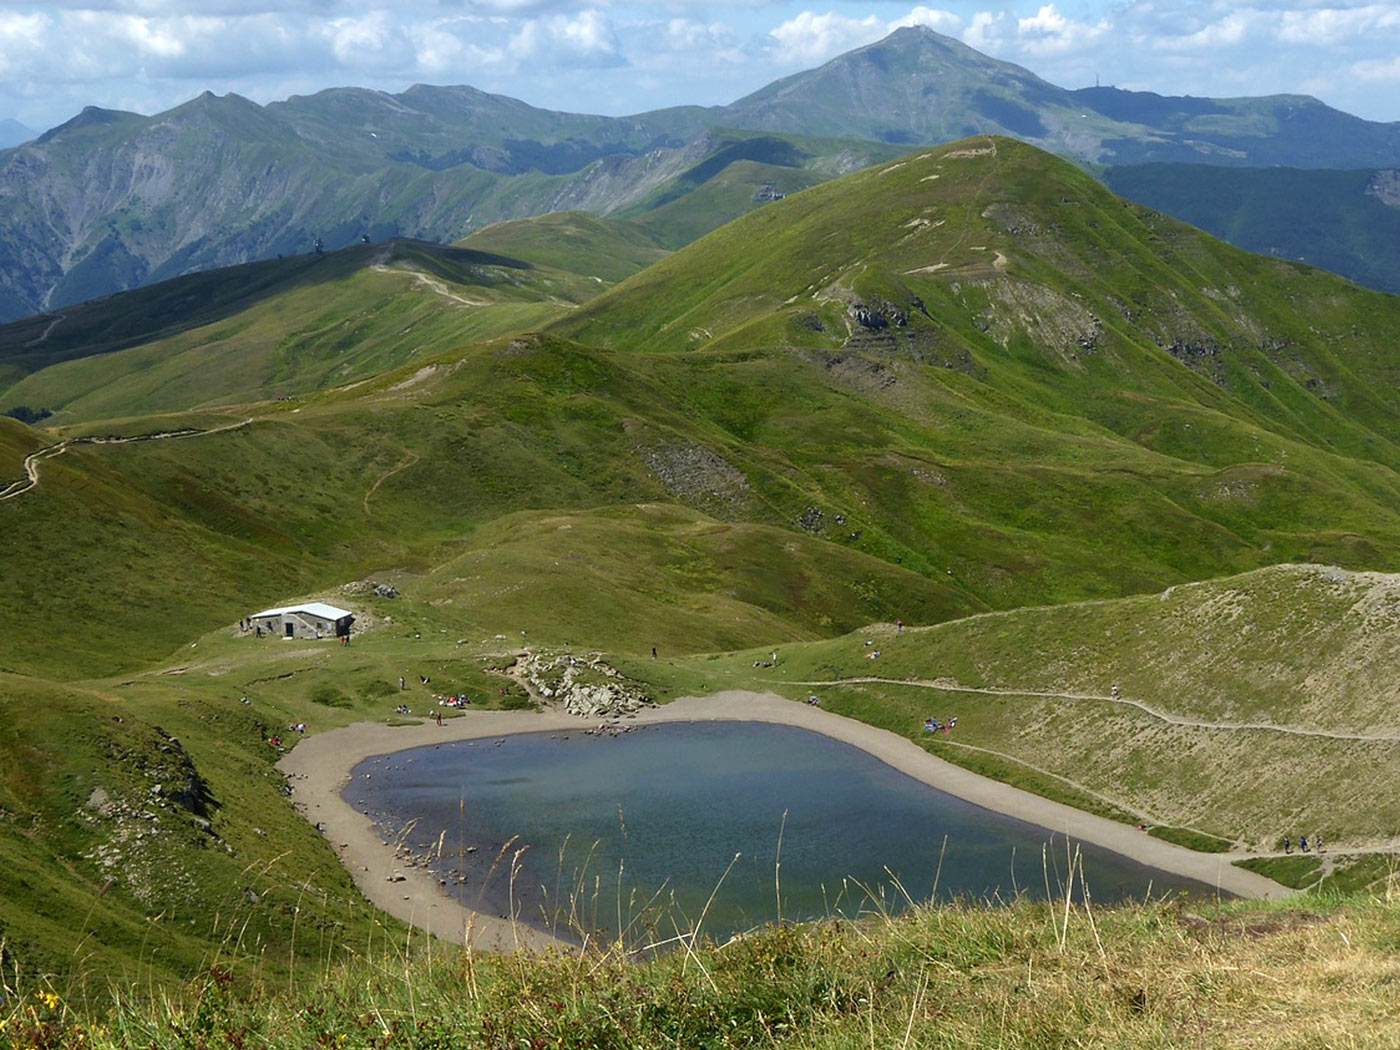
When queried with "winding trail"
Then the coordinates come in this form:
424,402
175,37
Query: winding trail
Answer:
30,480
432,284
48,330
943,685
409,459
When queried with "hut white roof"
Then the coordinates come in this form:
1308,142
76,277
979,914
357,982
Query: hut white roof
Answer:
321,609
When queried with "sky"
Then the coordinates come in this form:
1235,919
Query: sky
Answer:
628,56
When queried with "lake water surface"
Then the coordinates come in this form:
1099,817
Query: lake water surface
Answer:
660,813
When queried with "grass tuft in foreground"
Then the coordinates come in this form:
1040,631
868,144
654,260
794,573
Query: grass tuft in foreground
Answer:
1028,975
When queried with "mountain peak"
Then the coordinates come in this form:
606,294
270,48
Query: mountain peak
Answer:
91,116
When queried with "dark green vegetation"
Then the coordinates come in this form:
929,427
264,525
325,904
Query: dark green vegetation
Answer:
968,381
1344,221
114,200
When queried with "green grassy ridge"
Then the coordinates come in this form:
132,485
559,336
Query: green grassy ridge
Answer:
348,316
575,242
731,178
1097,262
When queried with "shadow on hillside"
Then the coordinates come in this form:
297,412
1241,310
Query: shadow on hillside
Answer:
143,315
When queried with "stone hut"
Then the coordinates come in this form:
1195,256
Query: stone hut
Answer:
312,620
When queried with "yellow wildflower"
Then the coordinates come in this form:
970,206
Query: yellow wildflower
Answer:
49,1000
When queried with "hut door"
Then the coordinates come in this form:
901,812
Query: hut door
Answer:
290,628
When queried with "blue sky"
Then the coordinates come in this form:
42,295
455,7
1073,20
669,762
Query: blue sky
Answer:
625,56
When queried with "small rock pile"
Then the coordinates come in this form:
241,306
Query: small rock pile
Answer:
587,686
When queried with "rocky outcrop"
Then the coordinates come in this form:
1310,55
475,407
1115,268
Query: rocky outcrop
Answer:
587,686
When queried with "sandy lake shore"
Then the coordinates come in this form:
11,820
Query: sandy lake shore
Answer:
319,769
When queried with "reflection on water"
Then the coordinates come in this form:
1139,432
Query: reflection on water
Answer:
740,822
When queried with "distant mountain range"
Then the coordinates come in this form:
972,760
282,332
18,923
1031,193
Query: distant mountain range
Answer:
112,200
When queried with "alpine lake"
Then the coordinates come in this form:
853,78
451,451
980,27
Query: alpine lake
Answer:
721,826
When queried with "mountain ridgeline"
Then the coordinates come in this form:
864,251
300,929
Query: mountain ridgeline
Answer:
112,200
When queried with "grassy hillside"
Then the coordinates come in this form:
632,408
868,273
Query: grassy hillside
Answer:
965,382
973,366
275,329
609,250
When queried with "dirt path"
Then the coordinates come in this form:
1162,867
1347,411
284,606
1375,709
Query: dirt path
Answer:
32,461
48,330
409,459
433,285
319,769
1265,727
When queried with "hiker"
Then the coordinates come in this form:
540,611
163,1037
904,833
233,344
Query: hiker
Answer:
439,717
1303,843
1287,844
653,652
899,627
401,683
259,630
1317,843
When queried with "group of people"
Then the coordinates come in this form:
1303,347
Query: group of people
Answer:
1303,845
933,725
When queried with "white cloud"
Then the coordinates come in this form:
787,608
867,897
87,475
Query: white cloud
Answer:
583,40
1377,71
991,32
21,36
811,37
631,55
373,42
944,22
1229,31
1331,26
1048,32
